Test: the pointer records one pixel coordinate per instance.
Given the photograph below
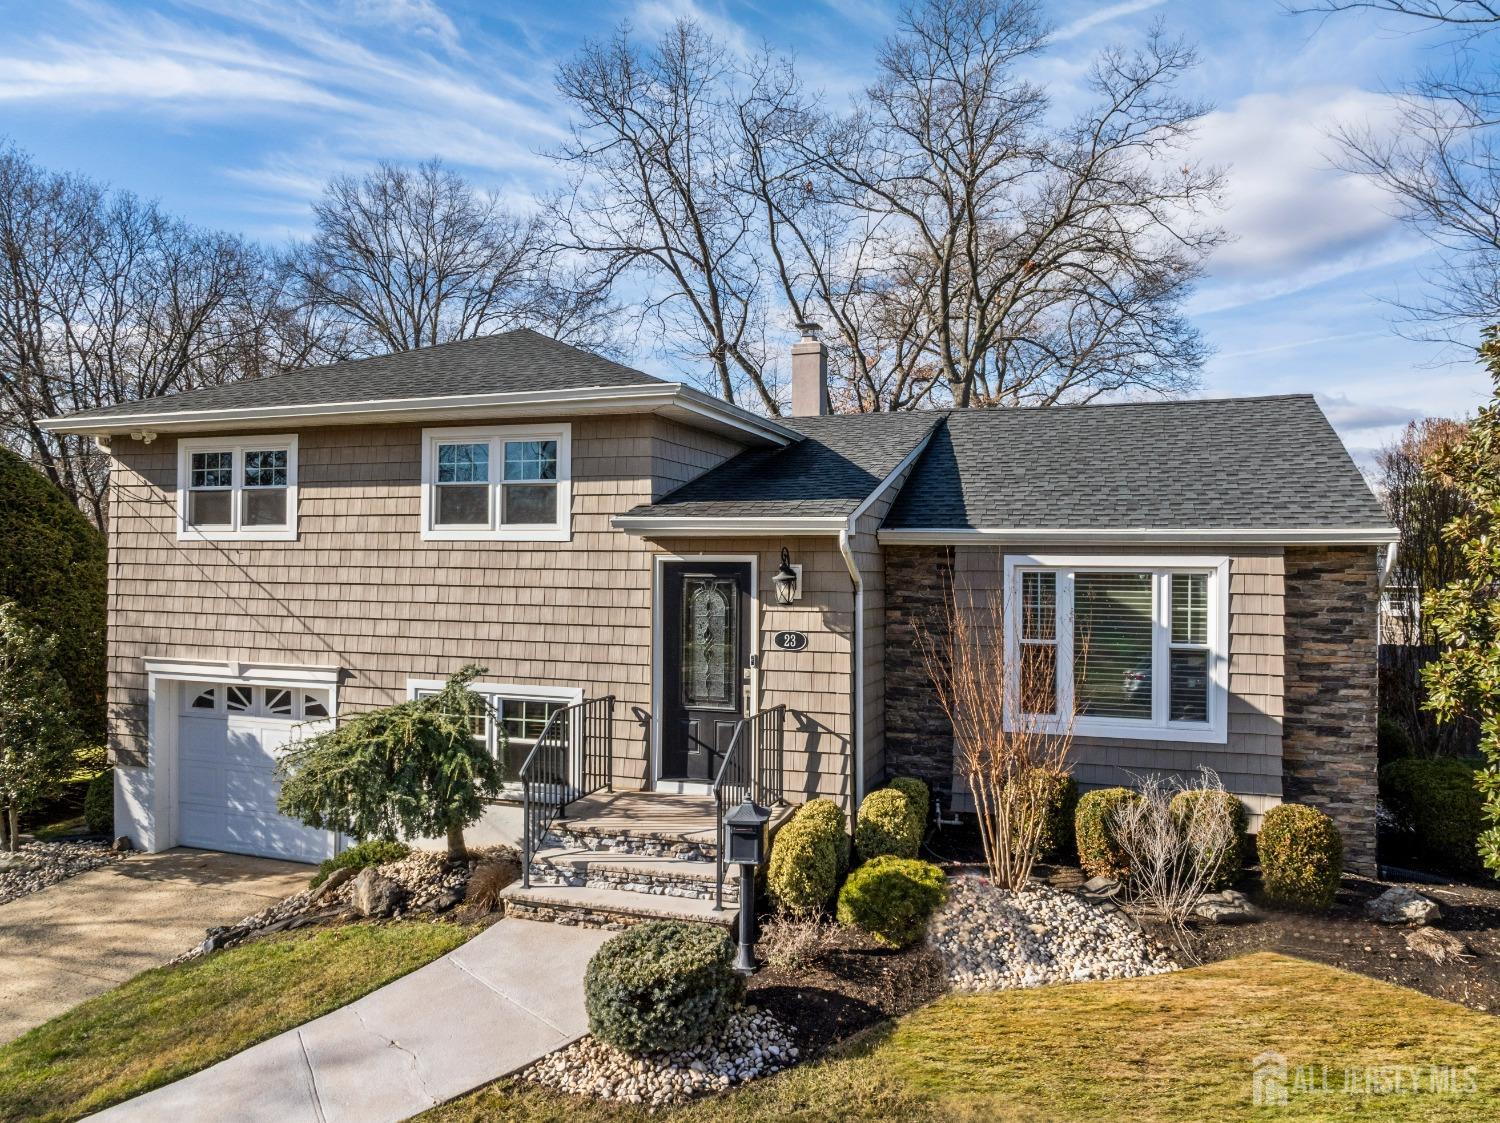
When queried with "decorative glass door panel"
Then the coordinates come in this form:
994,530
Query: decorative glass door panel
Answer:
710,655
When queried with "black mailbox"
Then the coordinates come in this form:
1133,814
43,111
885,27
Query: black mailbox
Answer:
746,828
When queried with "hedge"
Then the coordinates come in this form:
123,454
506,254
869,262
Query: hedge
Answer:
836,823
662,985
371,852
1436,801
1224,868
886,826
1301,856
1059,791
918,794
1093,828
891,898
803,873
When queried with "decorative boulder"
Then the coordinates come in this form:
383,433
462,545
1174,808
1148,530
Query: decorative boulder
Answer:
1227,907
375,895
1400,905
334,882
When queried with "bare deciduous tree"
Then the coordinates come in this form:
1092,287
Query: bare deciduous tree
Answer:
410,257
1003,752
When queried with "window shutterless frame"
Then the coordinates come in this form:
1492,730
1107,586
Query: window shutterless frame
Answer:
1160,727
248,472
519,468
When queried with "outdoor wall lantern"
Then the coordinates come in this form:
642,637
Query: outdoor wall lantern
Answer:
745,832
787,580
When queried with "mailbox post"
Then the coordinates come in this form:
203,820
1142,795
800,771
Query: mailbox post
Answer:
745,831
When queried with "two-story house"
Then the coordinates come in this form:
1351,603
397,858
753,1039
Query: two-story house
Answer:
684,582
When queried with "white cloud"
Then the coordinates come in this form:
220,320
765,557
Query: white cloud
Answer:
1353,417
1103,15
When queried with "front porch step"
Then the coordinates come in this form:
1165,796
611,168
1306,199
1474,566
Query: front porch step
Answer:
607,908
583,867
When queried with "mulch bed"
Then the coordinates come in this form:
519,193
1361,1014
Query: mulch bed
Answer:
853,984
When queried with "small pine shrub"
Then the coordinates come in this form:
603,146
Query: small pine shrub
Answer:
886,826
1437,801
662,985
1098,852
1301,856
1224,868
891,898
1059,791
835,822
918,794
803,873
99,803
371,852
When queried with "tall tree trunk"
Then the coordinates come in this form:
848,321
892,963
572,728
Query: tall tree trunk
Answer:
4,831
457,851
13,818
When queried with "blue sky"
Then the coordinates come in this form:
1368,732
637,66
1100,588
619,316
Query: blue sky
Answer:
234,112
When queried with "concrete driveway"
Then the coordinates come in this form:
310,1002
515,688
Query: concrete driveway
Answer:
82,936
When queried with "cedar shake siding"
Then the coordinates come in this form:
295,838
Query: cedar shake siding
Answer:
361,590
1333,597
918,738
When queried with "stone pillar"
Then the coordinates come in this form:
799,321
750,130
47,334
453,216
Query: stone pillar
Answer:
918,737
1332,701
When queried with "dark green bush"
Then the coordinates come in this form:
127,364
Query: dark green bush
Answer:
99,803
1301,856
891,898
52,564
918,794
803,873
371,852
1059,791
1093,829
1224,868
1437,801
662,985
886,826
1392,740
836,823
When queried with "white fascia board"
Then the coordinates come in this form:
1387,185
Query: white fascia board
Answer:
707,526
891,477
233,670
667,397
1141,536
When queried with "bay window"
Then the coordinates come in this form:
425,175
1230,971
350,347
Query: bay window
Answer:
1131,647
507,482
237,488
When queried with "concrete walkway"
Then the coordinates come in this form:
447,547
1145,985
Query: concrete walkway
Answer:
85,935
512,994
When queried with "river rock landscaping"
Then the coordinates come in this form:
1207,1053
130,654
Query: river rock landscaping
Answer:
754,1043
993,939
36,865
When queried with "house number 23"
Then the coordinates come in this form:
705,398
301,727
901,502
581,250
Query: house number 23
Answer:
791,641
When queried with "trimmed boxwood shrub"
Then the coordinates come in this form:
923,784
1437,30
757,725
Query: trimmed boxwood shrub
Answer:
1060,793
1437,801
1224,868
1093,828
918,794
1301,856
99,803
886,826
891,898
662,985
371,852
831,815
803,873
1392,740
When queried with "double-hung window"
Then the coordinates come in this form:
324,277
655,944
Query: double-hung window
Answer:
237,488
1129,647
507,482
517,716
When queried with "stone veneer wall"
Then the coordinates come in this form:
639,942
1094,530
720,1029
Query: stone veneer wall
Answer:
1328,748
918,738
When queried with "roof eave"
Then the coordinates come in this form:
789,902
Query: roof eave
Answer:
1140,536
656,526
672,399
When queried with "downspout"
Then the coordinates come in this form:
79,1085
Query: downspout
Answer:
856,670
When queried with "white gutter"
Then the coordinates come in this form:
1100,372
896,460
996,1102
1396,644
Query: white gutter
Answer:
710,526
668,396
1260,536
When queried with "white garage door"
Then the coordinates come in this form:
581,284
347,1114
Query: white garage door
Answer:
228,742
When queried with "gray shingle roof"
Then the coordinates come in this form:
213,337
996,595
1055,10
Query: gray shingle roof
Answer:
1238,463
517,361
830,472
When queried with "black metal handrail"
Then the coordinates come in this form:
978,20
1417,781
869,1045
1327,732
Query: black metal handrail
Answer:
546,787
752,766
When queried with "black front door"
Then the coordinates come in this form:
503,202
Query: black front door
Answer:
705,664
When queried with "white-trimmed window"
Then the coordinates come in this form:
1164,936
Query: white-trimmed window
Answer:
1133,647
521,711
242,488
502,482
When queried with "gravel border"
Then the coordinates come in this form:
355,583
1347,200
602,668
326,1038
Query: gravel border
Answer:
37,865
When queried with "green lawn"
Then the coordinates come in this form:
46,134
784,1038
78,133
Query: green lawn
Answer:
1175,1047
169,1022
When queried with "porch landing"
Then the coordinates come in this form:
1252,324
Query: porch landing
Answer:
653,815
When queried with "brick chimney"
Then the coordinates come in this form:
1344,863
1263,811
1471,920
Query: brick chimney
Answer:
809,373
